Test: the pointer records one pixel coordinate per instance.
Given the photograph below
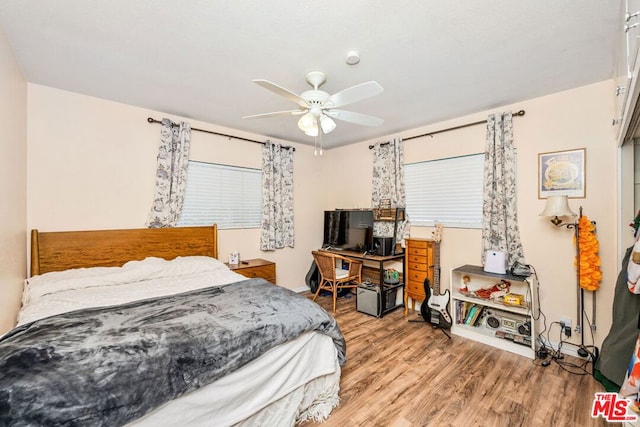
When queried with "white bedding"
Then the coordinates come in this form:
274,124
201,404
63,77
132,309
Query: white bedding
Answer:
268,379
59,292
301,376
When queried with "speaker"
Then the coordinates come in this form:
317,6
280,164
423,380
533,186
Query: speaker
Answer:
367,300
493,321
508,322
524,328
383,246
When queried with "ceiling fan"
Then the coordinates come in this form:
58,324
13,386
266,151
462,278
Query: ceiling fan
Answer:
318,108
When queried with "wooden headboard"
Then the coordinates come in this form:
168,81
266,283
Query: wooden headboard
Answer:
61,250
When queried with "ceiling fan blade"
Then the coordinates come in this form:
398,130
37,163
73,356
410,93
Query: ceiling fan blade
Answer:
357,118
354,94
275,113
282,92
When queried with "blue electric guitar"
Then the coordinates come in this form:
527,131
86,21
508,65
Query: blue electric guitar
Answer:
438,303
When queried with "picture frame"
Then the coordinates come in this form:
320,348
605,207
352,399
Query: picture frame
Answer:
562,173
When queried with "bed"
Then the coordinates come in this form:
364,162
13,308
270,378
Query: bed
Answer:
146,327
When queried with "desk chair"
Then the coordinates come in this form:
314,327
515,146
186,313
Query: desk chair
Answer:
332,278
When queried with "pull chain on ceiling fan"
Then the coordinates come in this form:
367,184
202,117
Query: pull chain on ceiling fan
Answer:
319,109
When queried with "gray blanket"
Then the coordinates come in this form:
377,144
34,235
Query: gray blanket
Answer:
108,366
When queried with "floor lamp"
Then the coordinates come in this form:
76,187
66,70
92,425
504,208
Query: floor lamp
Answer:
556,208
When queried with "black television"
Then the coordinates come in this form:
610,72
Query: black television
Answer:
348,229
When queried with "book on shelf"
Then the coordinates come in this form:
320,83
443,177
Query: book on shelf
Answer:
472,311
462,309
466,307
476,316
468,313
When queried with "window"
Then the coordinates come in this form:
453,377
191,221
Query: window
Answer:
229,196
447,191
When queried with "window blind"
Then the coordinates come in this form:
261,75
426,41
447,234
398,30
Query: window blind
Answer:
229,196
447,191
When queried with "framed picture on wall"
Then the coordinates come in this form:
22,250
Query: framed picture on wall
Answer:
562,173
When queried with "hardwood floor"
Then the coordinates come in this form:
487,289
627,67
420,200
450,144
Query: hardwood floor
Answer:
404,374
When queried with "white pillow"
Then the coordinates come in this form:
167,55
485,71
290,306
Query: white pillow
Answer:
132,271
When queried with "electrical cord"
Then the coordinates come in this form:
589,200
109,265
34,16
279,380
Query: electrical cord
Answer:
573,368
546,353
549,354
593,354
542,351
535,273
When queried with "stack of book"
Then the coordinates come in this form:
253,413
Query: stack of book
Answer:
468,313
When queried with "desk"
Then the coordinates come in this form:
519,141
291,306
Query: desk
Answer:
381,261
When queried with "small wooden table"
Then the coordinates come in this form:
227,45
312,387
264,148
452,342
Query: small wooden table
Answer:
257,267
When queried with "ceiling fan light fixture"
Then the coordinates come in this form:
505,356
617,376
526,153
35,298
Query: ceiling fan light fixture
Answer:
318,109
327,124
312,132
307,122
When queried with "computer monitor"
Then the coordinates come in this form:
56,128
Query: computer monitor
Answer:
348,229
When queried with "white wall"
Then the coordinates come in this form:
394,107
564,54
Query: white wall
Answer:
13,176
91,165
567,120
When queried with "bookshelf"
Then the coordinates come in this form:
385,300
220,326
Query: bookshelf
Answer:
479,311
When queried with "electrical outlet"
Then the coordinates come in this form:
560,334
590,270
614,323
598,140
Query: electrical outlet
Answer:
565,322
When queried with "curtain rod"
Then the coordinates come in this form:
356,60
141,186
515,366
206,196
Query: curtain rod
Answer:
152,120
516,114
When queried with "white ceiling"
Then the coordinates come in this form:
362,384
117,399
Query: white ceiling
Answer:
436,60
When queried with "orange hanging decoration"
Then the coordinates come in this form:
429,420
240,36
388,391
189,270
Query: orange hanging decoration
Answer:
588,258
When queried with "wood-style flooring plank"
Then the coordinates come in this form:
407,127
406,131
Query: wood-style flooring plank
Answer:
407,374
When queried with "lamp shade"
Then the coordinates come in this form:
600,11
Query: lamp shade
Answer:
312,131
327,124
307,122
557,206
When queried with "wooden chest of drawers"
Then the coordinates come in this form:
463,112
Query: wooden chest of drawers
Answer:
253,268
418,266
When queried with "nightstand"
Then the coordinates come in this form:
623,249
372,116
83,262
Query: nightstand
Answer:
253,268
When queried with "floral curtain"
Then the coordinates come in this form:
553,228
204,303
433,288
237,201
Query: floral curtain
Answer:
500,231
171,175
277,197
388,184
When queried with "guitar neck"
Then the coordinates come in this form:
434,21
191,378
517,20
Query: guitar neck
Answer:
436,268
